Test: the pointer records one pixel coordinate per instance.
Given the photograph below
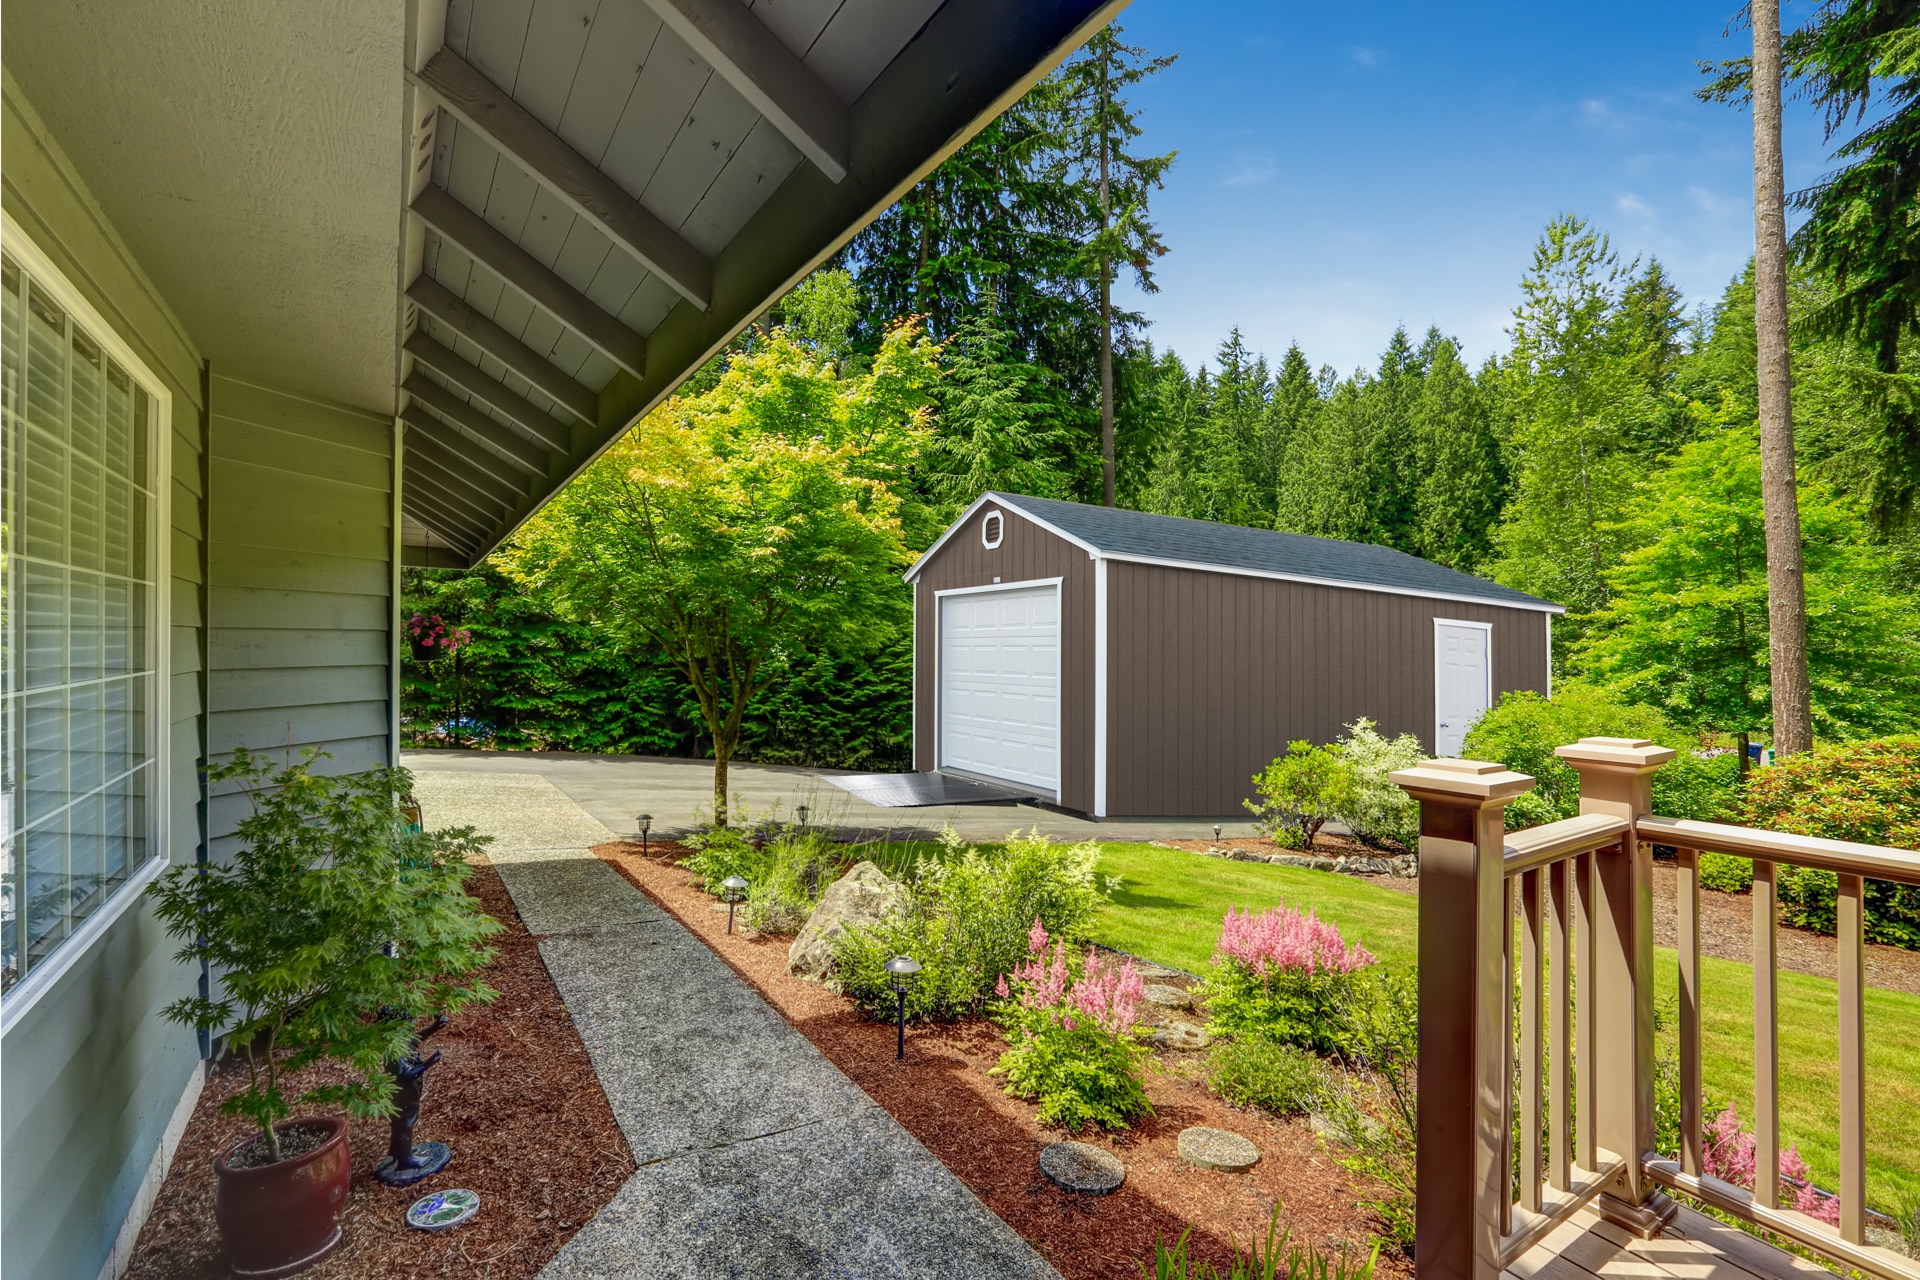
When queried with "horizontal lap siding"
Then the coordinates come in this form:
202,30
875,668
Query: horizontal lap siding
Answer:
1211,675
1026,552
301,593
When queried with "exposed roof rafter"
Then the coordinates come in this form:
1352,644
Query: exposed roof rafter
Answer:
516,450
524,273
444,433
491,491
477,382
443,305
522,139
761,69
429,482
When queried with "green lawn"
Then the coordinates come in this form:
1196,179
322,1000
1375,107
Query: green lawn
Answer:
1168,904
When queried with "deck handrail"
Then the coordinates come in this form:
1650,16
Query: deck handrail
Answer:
1566,1043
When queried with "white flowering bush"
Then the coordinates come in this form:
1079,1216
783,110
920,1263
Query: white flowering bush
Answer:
1379,811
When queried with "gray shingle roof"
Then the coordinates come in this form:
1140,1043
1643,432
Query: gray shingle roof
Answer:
1204,544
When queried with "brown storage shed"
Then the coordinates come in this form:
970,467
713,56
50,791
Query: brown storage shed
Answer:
1122,664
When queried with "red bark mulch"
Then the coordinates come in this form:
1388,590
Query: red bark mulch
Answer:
514,1095
943,1095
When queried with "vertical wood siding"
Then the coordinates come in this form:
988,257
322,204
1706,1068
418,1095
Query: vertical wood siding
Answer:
1026,552
301,597
1210,675
92,1074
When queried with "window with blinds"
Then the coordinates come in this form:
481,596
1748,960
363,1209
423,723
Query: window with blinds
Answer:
77,621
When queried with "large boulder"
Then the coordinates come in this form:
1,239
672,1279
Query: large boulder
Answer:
863,896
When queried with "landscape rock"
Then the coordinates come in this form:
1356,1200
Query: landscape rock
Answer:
863,896
1078,1166
1181,1035
1217,1149
1155,972
1165,995
1246,855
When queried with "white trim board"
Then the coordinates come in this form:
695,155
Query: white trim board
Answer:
1059,677
43,977
1331,582
1099,689
121,1256
1092,551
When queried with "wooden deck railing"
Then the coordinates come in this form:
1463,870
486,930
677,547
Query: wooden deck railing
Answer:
1579,1031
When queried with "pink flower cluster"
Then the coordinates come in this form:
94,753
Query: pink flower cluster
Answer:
430,632
1105,994
1288,940
1731,1155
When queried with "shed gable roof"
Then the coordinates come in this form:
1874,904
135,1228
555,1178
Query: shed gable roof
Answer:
1115,533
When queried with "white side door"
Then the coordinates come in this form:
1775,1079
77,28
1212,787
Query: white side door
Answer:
999,689
1462,681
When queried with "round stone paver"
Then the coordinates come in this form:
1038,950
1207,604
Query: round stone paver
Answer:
1165,995
1217,1149
1181,1035
1077,1166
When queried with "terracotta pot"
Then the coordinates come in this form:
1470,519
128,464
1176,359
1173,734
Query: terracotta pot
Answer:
281,1218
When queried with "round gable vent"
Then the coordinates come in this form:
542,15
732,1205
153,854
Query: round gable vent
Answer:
991,529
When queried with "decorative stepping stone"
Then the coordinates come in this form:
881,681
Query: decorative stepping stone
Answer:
1154,972
1217,1149
1181,1035
1165,995
1077,1166
443,1209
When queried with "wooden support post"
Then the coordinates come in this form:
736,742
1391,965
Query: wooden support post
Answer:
1461,1146
1616,779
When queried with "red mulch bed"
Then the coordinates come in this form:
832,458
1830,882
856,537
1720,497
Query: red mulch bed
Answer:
943,1095
514,1096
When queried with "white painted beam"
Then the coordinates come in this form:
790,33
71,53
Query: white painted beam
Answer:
474,381
516,450
522,139
524,273
425,424
761,69
442,304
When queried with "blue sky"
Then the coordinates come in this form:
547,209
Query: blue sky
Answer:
1346,168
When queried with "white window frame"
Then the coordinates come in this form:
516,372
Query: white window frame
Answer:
1059,674
43,977
1458,622
998,519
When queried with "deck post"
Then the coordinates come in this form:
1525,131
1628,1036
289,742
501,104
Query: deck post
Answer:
1616,779
1460,1149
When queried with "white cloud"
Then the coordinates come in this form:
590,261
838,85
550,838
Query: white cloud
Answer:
1370,59
1633,206
1252,169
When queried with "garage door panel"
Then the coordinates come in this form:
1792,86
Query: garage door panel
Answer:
1000,685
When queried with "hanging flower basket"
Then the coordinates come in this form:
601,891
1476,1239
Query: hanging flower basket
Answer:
432,638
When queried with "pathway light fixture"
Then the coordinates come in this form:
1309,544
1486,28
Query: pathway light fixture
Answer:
903,970
1216,833
802,811
646,824
736,887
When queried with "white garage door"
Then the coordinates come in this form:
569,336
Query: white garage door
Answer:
1000,685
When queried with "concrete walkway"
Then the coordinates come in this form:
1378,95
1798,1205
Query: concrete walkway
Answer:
758,1157
615,788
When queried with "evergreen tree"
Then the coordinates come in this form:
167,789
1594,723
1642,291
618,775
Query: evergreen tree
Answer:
1462,477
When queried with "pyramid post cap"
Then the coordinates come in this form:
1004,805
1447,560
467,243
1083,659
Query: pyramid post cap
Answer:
1628,753
1464,779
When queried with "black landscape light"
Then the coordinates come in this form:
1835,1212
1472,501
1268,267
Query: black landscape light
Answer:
1216,833
802,811
736,887
646,824
903,969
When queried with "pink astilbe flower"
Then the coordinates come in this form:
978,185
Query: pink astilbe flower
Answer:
1106,994
1732,1155
1282,938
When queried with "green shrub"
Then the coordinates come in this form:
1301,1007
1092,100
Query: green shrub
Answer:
1071,1041
1273,1077
1866,792
1283,976
1725,872
1378,810
1299,792
1524,728
972,911
1374,1116
800,863
719,852
1281,1257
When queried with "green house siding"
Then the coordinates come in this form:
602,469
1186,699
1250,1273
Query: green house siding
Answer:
89,1076
281,572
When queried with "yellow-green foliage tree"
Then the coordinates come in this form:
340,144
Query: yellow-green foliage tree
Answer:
757,518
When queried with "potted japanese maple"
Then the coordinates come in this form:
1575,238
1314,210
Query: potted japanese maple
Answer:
334,928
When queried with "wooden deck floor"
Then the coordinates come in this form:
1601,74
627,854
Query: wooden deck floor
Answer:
1694,1247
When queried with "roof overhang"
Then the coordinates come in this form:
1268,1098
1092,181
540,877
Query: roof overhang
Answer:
571,259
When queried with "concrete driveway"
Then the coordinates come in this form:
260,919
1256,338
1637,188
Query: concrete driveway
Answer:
678,793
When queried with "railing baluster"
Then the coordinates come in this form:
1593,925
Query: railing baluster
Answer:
1766,1038
1559,1079
1586,1094
1687,892
1506,1072
1851,926
1530,1055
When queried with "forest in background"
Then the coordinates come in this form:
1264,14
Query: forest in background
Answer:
1605,459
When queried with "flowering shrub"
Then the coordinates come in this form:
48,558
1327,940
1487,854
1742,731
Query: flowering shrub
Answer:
1282,975
1729,1153
434,638
1378,811
1072,1045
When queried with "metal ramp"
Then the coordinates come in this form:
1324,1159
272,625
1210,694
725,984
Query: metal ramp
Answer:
925,790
